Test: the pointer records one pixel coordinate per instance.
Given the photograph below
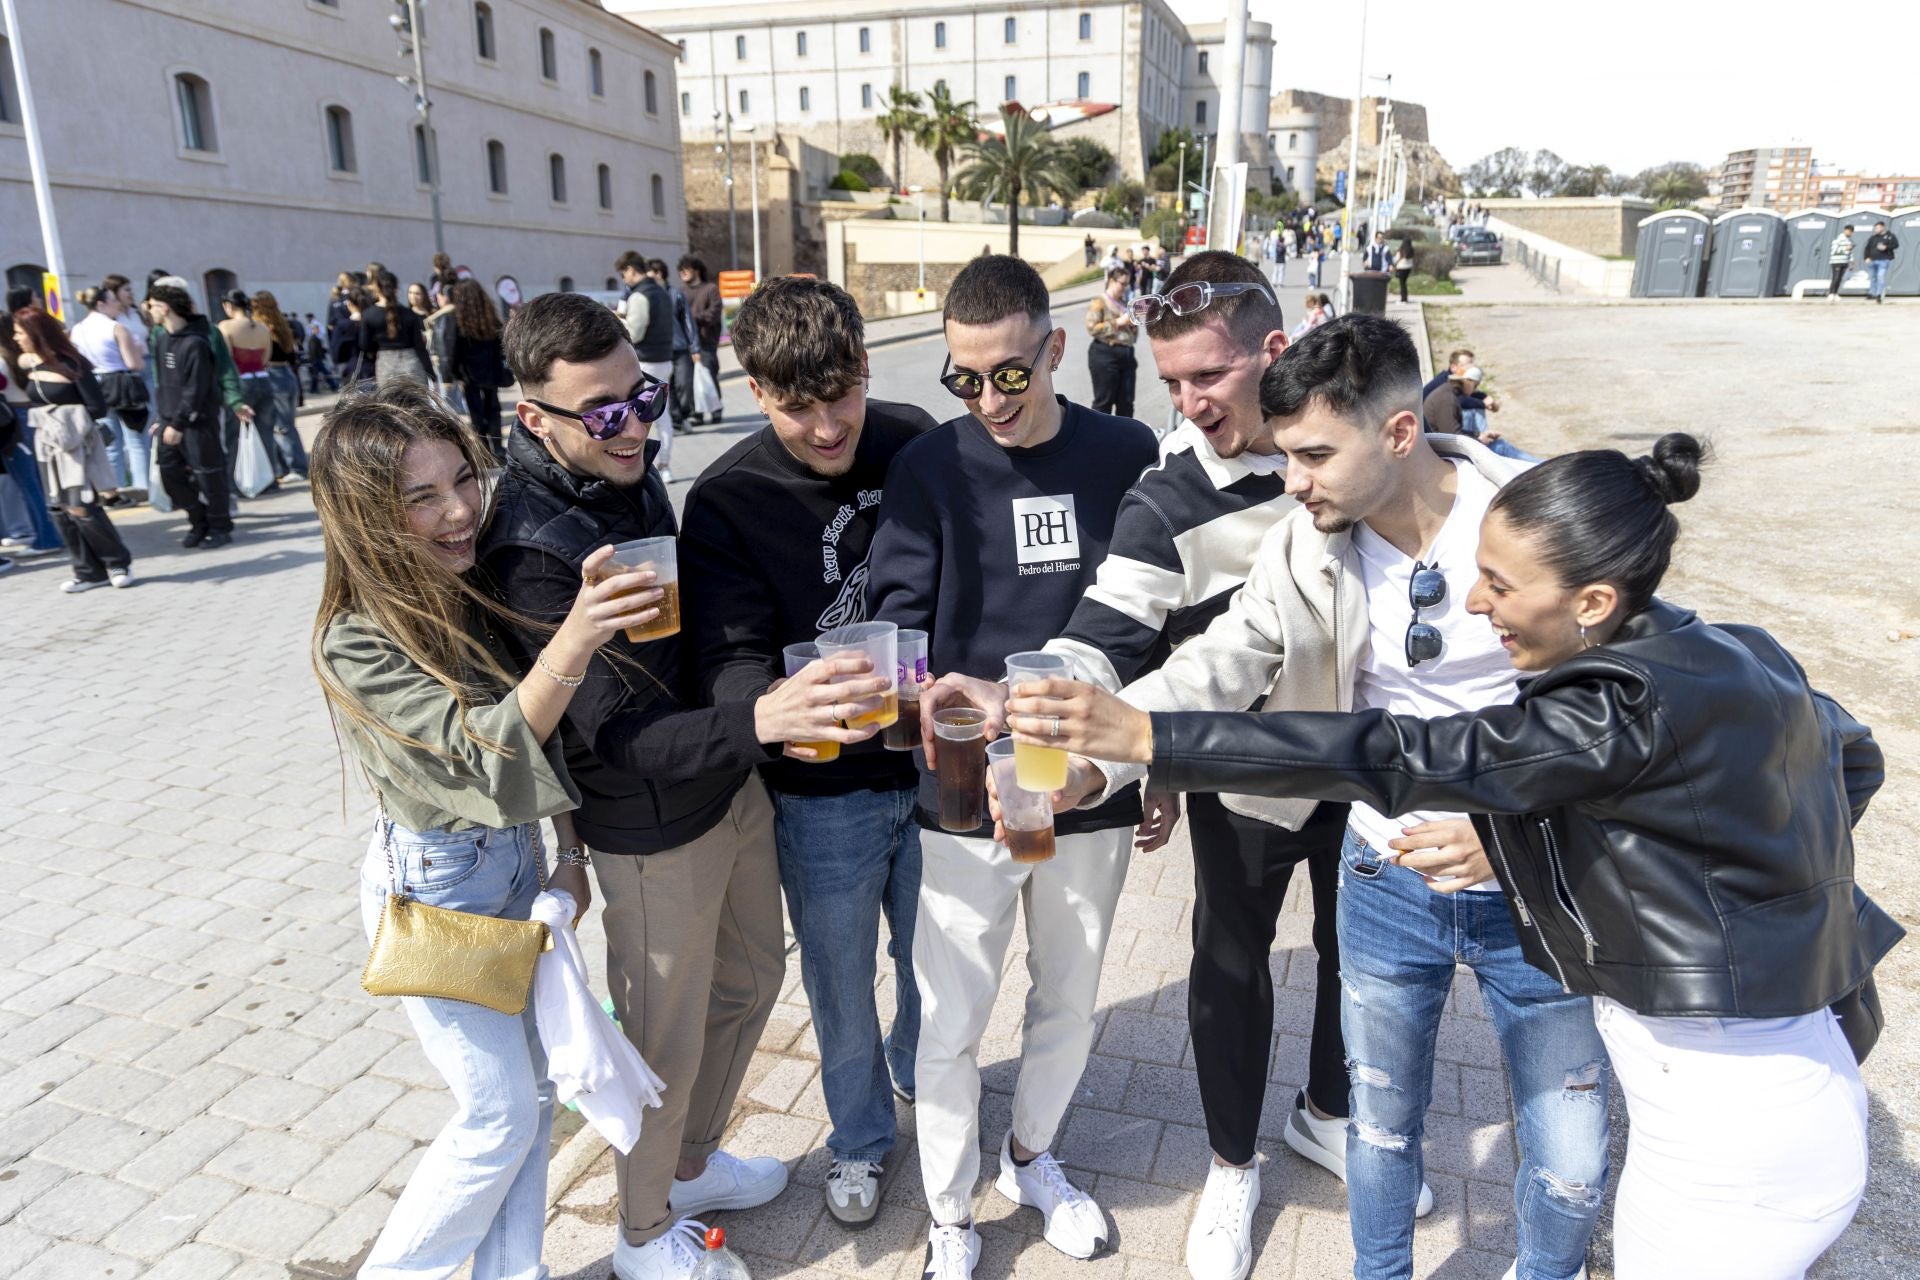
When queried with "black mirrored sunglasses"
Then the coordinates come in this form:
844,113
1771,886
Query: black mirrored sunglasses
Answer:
605,421
1427,589
1189,298
1012,379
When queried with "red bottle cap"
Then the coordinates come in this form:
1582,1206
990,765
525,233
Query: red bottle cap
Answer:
716,1237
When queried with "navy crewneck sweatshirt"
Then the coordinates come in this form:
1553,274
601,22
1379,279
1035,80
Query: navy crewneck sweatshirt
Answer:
989,550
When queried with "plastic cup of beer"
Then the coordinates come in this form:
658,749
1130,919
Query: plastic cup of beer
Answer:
963,767
910,668
878,642
662,556
798,656
1041,768
1026,815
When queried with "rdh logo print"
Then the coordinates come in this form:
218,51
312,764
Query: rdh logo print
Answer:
1046,537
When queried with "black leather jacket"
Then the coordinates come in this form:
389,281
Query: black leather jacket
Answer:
1670,814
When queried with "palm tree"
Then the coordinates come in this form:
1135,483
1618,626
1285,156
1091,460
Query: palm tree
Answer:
900,121
946,127
1024,161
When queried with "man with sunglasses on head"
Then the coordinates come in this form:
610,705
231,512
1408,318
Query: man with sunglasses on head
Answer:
1356,599
991,529
681,832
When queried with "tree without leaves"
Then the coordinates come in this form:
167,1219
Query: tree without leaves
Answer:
900,121
944,129
1025,161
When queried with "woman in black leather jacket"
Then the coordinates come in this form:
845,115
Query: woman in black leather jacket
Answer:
1668,807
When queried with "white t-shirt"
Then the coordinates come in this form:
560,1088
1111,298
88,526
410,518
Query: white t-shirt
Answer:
93,338
1472,671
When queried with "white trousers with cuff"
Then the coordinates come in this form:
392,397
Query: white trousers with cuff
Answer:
1747,1151
969,890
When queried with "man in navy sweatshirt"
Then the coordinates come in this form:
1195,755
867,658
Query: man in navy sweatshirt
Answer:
992,527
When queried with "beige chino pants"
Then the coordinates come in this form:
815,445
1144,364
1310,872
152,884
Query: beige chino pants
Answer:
695,959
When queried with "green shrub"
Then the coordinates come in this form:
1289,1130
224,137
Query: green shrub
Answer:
847,180
1436,260
866,167
1122,199
1088,162
1164,176
1421,283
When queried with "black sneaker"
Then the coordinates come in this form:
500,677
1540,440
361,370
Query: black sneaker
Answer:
194,538
217,540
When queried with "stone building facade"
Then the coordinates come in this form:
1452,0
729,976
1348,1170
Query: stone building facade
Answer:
1332,120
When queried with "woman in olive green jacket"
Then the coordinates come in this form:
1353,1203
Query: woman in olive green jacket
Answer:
462,757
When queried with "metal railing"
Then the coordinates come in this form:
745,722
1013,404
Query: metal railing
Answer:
1543,267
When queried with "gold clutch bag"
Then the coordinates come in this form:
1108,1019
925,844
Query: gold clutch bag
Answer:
420,950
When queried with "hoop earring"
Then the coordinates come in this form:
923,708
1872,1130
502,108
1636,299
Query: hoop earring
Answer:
1584,642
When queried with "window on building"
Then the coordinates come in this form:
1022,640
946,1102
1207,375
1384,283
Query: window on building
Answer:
939,86
1083,86
603,177
745,108
1086,26
1290,175
682,44
866,97
649,92
1293,141
566,284
483,31
658,187
557,178
9,96
1200,111
1203,62
424,155
686,103
196,113
939,35
496,167
1012,93
866,39
549,58
800,44
597,79
1010,31
340,140
806,98
739,48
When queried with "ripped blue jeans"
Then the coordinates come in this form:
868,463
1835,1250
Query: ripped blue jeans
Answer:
1399,943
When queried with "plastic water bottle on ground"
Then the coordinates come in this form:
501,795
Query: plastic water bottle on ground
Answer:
719,1262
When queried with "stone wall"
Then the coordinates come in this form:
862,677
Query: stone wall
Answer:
1605,226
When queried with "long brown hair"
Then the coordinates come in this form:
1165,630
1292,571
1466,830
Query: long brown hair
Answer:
473,313
378,568
51,344
386,286
266,309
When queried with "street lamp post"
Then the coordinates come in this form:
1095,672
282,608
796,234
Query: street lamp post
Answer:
723,118
36,154
1353,169
753,192
920,204
409,29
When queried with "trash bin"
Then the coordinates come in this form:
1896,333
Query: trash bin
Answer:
1370,292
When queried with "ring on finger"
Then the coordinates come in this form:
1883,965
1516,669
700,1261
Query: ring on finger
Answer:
1053,729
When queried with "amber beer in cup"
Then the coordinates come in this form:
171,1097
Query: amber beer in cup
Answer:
798,656
962,768
659,555
878,643
1042,769
1026,816
910,669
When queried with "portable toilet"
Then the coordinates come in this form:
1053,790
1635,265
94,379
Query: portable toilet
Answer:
1670,255
1904,277
1854,284
1749,254
1810,234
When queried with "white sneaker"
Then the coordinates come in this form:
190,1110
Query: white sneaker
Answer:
951,1252
729,1183
1325,1143
1075,1225
1220,1241
1513,1272
853,1192
666,1257
74,586
121,578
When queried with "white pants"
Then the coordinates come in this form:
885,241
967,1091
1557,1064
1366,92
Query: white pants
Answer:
661,428
968,891
1747,1146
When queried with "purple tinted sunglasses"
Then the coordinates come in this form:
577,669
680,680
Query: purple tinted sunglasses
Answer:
604,422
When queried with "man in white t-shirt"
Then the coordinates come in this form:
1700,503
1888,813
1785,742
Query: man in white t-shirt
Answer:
1357,599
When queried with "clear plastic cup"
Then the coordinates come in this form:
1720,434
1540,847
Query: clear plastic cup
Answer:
878,642
963,767
1026,815
662,556
1041,768
910,666
797,657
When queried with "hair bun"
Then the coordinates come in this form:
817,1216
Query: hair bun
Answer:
1672,471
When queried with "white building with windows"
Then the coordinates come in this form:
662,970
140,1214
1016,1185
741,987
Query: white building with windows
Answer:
1119,71
265,144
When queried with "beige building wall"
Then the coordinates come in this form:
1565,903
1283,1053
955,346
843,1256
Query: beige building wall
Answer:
264,204
1604,226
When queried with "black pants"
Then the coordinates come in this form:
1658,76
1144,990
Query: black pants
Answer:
1839,273
710,357
681,402
195,474
483,410
1241,870
1114,370
1401,274
93,544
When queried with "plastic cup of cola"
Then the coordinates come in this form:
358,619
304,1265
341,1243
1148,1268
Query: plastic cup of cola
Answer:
1027,816
910,667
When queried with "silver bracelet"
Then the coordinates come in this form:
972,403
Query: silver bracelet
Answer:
565,682
571,857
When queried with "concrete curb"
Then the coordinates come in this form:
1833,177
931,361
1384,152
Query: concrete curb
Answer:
572,1161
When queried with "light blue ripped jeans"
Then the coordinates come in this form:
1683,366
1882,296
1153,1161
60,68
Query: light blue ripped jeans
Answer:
1399,943
480,1191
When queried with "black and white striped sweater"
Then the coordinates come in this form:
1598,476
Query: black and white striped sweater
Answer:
1183,542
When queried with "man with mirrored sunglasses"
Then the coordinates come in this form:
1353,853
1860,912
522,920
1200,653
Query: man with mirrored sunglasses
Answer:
679,828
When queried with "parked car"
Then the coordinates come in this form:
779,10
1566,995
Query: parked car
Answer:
1479,247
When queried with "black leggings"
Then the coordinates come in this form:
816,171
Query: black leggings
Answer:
1241,868
483,410
1401,274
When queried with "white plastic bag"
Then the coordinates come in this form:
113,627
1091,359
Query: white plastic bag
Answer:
253,469
706,392
157,495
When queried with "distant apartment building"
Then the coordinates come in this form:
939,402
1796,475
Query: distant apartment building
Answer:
1843,191
1767,178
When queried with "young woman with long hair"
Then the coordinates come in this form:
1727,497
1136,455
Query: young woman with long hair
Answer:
250,343
26,521
477,361
284,379
74,471
392,339
460,752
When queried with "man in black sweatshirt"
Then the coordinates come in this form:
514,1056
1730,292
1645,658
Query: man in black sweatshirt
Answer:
681,832
193,466
774,551
1878,255
991,529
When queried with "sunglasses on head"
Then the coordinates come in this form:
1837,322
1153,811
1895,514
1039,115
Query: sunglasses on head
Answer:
1427,589
1010,378
605,421
1189,298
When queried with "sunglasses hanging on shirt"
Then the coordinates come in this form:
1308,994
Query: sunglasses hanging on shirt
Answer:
1427,589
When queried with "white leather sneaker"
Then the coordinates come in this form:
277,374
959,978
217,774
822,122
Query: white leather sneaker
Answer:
1075,1224
1325,1143
1513,1272
853,1192
952,1252
728,1183
1220,1241
667,1257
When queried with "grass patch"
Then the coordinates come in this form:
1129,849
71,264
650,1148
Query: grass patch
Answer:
1422,283
1091,273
